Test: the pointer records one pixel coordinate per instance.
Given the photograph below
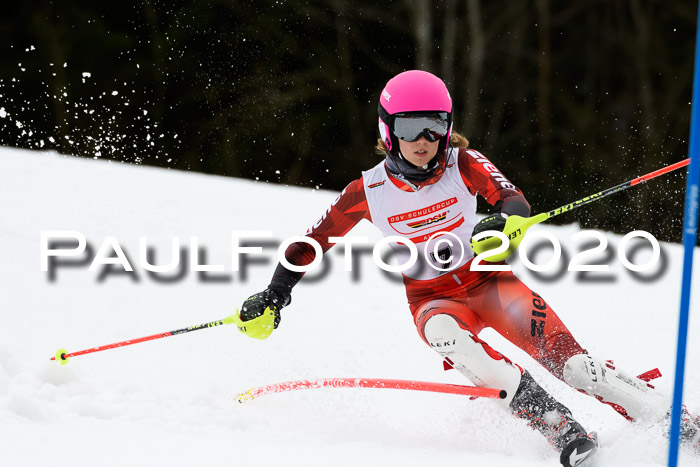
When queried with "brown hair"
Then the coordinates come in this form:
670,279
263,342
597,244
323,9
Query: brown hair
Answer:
456,141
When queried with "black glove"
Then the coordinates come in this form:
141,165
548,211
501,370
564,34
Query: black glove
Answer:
494,222
256,304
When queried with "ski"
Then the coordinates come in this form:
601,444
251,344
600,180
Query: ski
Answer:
578,450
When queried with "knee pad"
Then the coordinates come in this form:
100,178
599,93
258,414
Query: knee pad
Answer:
471,356
630,396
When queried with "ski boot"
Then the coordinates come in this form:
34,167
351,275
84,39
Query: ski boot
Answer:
554,421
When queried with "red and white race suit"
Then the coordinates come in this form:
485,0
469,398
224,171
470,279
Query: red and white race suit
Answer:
440,207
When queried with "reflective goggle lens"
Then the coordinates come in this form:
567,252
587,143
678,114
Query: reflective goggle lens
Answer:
410,127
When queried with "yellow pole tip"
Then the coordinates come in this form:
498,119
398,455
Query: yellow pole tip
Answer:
60,356
244,396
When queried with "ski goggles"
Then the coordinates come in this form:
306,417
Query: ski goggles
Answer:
431,125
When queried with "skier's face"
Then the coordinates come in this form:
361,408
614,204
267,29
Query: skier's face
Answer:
419,152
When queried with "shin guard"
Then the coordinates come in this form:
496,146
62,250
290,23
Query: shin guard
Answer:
629,395
471,356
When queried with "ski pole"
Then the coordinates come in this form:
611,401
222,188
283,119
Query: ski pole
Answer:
615,189
62,355
372,383
516,226
602,194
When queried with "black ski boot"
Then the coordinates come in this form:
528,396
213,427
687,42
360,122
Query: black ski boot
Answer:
554,421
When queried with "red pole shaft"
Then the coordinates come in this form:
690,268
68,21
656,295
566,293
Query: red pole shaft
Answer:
373,383
65,356
656,173
116,344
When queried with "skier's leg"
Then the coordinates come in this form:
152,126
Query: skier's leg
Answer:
525,319
451,329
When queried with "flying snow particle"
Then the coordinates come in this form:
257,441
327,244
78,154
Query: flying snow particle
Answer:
19,124
114,93
86,74
3,113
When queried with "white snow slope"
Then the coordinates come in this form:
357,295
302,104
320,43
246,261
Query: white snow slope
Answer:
171,401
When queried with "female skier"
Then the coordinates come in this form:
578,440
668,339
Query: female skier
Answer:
424,190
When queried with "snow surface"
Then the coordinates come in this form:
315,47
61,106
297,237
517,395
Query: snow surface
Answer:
171,401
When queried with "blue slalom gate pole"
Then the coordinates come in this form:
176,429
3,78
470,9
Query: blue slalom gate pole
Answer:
690,228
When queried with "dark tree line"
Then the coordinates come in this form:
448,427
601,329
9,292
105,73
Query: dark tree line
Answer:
567,98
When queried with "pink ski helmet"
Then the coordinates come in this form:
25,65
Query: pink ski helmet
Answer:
414,103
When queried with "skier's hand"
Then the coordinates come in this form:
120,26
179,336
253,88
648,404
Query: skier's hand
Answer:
260,313
513,227
494,222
